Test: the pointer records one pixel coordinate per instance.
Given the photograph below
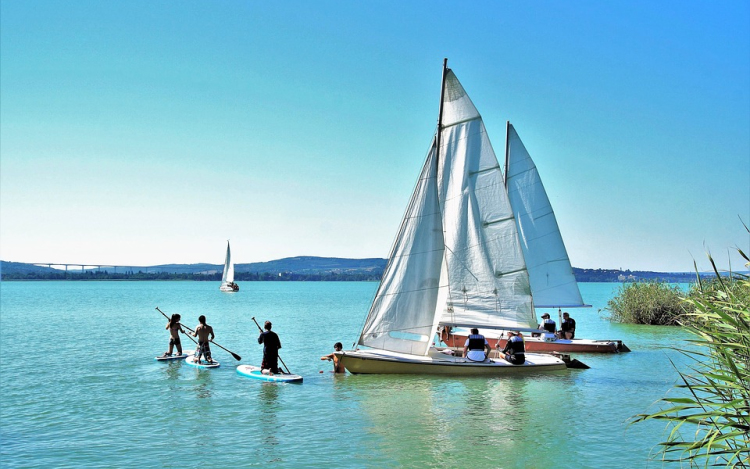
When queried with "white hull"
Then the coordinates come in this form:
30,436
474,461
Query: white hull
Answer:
437,363
229,288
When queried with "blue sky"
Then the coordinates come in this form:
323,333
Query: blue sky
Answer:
142,133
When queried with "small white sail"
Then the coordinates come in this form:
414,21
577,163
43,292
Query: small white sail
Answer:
227,278
553,284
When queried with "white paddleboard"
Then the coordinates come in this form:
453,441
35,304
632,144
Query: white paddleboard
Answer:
172,357
254,372
193,362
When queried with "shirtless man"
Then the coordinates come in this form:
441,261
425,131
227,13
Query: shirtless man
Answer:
203,331
338,367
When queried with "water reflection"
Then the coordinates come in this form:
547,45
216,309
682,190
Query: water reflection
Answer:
452,421
203,384
269,422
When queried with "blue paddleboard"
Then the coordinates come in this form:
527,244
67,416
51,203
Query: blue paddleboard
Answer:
254,372
190,360
171,357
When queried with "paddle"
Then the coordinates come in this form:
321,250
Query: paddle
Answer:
282,361
236,357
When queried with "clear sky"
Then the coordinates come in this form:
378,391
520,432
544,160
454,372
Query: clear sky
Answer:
143,133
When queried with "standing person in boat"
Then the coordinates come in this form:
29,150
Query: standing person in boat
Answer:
548,324
568,327
338,367
476,348
515,350
271,345
202,332
174,327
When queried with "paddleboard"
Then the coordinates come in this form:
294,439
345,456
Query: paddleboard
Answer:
254,372
193,362
172,357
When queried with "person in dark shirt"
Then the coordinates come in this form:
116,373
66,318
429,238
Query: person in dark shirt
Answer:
514,351
568,327
271,345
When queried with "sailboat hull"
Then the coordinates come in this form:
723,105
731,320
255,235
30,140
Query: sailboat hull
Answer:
229,288
537,344
383,362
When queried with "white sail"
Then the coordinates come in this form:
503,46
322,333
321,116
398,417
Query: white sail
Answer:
457,258
551,275
489,284
401,317
228,275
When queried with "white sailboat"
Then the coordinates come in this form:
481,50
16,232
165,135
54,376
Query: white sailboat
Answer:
553,284
456,259
227,278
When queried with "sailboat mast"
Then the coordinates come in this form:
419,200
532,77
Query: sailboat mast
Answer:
440,112
507,152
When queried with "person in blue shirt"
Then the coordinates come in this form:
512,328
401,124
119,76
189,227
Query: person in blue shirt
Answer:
476,348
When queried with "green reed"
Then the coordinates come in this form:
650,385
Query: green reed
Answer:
655,303
710,421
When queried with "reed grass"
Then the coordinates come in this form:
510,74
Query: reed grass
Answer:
655,303
709,420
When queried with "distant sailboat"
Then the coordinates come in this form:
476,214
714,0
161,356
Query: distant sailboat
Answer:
456,260
227,278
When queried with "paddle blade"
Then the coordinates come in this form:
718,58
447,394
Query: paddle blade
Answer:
236,357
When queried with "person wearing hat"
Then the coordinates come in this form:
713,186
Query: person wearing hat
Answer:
548,324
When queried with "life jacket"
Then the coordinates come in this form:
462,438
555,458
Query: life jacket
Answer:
549,325
476,342
516,345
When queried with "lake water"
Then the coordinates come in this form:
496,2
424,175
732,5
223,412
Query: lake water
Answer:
81,388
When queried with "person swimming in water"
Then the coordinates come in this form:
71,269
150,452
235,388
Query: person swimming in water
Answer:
338,367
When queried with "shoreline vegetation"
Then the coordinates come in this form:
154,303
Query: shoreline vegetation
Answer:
707,412
302,268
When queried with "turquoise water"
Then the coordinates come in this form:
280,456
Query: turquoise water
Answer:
80,387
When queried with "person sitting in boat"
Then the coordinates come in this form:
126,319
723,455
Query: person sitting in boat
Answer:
568,327
476,348
547,324
338,367
515,350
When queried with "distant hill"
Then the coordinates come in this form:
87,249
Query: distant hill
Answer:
291,268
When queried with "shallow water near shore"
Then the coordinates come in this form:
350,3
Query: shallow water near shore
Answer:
81,387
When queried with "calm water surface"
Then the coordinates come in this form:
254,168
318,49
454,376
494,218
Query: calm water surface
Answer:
80,387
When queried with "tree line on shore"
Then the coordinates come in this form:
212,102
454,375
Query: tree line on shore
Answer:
213,277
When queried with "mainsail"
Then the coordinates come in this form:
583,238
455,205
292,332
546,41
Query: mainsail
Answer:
228,275
550,273
456,259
